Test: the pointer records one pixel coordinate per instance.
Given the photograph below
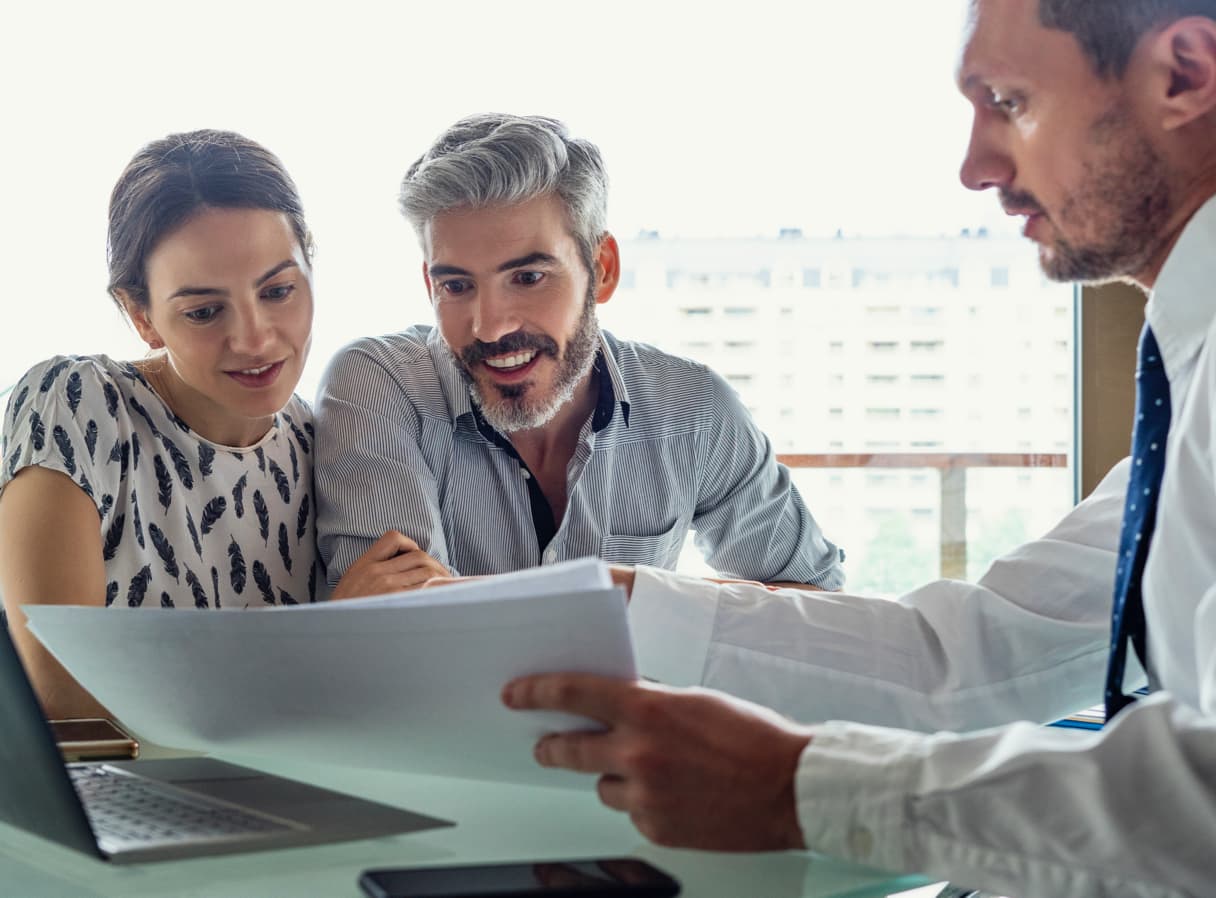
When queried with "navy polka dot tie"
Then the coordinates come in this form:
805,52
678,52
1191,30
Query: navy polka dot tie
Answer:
1139,515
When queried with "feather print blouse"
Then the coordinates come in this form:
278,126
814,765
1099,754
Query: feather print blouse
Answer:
184,521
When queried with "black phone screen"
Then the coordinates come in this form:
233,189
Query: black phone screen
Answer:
599,878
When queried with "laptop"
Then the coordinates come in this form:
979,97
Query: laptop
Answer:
136,811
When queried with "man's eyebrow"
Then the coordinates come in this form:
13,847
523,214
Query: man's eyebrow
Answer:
530,259
187,292
968,84
439,271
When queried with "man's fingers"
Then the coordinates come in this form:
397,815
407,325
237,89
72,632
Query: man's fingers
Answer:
600,698
584,752
412,559
611,789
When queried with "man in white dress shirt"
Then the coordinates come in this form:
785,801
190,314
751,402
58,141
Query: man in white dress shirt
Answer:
1096,121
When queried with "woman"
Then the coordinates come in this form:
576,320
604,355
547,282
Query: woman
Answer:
184,478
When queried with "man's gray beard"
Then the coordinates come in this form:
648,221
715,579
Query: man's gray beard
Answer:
511,411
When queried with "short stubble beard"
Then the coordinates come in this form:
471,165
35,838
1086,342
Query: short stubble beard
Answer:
1126,193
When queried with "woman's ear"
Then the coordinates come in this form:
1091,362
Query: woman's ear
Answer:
138,316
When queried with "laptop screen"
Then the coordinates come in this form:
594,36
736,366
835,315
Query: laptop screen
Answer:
35,793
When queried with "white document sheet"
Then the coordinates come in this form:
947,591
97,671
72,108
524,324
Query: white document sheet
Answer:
405,682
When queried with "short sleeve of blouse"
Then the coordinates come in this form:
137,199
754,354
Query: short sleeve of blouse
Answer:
63,415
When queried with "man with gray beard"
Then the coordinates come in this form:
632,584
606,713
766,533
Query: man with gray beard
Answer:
516,432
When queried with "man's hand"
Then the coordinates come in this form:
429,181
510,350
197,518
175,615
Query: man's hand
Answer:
391,564
622,575
692,768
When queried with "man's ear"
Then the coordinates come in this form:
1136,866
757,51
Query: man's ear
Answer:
607,268
138,316
1182,58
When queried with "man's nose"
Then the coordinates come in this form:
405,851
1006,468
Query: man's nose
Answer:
494,316
987,162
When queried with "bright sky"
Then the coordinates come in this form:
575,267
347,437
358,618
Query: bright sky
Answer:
808,114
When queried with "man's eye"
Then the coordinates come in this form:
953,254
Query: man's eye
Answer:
278,291
454,287
203,315
1010,105
529,278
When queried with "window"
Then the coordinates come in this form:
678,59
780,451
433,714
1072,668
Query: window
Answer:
706,265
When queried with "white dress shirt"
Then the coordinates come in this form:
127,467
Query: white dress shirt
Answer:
1022,809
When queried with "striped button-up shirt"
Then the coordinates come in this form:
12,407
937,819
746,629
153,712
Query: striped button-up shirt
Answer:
669,449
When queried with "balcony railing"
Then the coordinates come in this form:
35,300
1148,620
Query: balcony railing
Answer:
952,468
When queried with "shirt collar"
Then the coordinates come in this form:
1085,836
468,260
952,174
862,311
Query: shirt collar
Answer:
612,390
1182,305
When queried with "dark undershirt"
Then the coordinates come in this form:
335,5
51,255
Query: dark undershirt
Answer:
542,513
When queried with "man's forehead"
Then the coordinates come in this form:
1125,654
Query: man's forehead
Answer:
1005,40
490,234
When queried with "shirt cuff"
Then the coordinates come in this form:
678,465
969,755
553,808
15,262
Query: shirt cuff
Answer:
671,620
853,789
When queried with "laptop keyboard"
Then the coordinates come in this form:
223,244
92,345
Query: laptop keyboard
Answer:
127,812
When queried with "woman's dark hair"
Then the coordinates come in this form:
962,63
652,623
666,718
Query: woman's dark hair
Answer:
172,179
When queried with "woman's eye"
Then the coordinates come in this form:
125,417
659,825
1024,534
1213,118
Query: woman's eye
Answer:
203,315
278,291
529,278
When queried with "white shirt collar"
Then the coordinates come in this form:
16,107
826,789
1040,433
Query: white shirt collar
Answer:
1183,302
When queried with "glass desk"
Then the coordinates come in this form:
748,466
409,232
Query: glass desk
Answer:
494,823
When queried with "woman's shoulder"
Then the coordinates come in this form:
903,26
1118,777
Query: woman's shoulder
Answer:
72,381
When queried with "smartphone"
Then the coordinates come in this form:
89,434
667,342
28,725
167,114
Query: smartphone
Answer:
93,739
619,877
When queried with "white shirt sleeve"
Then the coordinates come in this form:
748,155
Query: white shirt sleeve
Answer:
1028,641
1027,810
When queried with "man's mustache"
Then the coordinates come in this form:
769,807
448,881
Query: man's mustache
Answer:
516,341
1018,202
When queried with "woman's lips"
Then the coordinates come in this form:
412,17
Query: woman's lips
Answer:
257,376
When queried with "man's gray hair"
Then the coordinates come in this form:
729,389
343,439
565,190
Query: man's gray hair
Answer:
1108,30
496,159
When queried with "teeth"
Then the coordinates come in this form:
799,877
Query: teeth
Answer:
254,372
512,361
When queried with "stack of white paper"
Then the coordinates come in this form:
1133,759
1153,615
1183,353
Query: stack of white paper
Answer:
409,681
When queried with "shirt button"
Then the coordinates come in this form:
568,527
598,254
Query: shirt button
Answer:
523,472
550,556
861,842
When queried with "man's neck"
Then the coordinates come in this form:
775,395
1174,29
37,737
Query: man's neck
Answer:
1194,196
